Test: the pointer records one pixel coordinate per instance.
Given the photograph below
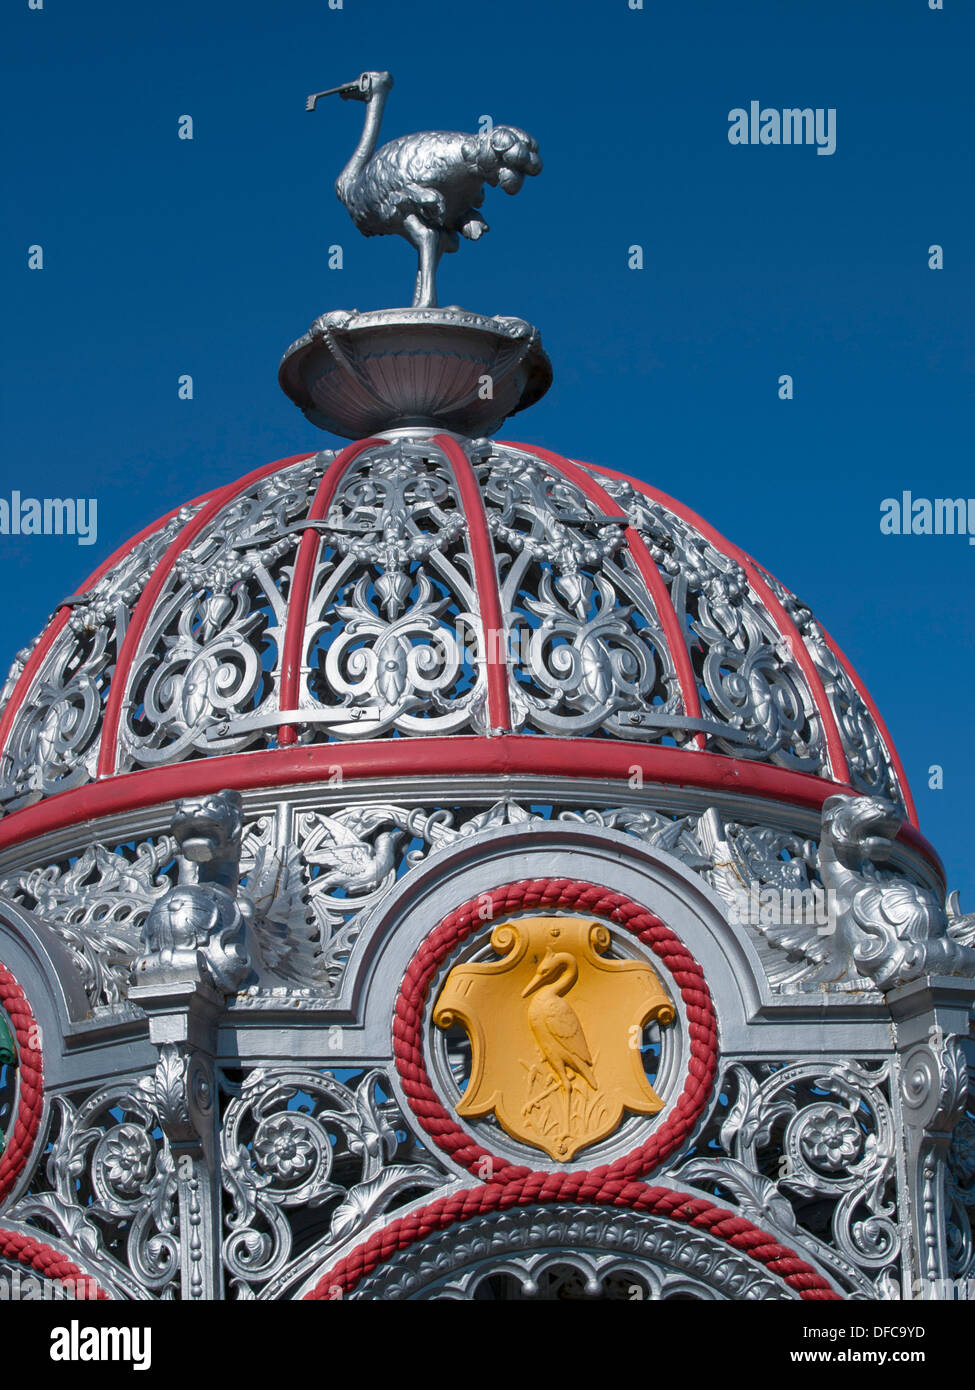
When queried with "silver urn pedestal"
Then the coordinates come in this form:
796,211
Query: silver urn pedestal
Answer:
359,374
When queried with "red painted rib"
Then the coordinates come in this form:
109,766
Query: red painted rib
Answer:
874,712
107,756
458,755
59,620
878,719
485,581
300,592
838,765
651,577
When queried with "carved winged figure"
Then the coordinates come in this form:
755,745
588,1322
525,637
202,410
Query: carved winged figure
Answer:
426,187
351,860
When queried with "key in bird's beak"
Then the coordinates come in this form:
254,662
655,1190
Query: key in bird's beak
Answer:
332,91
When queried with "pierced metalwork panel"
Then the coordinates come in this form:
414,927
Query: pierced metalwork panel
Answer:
570,1252
388,638
810,1148
871,768
587,650
210,657
393,639
747,678
54,743
301,1161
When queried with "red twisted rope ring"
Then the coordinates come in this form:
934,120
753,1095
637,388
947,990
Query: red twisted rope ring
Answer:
31,1099
613,1184
52,1265
25,1249
585,898
696,1212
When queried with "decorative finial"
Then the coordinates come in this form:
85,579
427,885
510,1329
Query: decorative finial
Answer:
419,367
425,187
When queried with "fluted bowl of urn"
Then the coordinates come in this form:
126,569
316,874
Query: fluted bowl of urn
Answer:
360,374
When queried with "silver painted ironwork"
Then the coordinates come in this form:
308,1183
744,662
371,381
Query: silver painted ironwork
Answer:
312,874
237,1060
753,689
160,1145
212,648
296,1141
426,187
357,374
233,961
394,641
196,931
575,1252
55,740
810,1148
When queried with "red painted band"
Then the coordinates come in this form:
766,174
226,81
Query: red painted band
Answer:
693,1211
48,1262
455,755
108,751
651,577
292,650
485,581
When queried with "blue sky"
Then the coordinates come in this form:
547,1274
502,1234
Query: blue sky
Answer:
164,256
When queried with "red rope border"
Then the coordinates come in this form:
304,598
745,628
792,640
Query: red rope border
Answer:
31,1076
49,1263
22,1248
551,894
613,1184
695,1212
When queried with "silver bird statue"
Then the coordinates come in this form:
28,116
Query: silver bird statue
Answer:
425,187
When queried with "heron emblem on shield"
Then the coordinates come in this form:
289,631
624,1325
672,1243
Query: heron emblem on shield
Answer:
556,1028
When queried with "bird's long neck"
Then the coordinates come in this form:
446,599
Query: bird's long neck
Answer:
570,973
363,152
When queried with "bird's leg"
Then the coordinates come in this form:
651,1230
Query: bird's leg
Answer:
427,242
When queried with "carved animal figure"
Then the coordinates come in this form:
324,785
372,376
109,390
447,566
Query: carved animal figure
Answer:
354,863
901,929
554,1022
208,831
199,928
426,187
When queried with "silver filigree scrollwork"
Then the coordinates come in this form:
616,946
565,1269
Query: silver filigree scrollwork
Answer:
54,743
810,1148
587,649
108,1187
205,678
297,1142
871,769
393,640
756,702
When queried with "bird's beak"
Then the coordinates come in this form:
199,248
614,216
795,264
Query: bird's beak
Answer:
345,87
538,977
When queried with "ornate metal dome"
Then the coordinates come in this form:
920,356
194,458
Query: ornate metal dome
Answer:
357,609
446,870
